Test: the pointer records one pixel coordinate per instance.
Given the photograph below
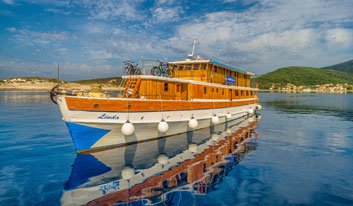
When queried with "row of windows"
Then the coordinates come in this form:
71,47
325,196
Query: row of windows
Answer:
217,90
203,67
189,67
235,92
214,69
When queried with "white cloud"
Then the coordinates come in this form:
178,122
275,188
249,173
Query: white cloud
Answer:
11,29
109,9
165,2
62,51
11,2
36,38
166,11
340,36
274,33
165,14
59,11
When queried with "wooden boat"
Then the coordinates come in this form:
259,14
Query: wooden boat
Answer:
150,170
187,95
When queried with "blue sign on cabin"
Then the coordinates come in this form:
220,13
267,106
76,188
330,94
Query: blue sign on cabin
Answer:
230,80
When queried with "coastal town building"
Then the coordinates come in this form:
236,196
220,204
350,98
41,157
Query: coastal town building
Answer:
324,88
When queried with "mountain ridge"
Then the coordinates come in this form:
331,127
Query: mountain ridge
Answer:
346,66
303,76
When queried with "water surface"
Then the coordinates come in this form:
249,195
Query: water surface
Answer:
303,154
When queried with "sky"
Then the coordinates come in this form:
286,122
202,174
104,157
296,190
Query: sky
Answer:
91,39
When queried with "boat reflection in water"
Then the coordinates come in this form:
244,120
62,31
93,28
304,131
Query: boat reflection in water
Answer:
149,172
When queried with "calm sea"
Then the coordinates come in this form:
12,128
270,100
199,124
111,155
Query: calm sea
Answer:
303,155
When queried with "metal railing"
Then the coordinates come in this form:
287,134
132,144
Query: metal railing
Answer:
144,67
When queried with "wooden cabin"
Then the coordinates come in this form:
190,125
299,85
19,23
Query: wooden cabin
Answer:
193,80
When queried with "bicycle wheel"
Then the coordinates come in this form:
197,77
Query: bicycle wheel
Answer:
156,71
167,72
138,72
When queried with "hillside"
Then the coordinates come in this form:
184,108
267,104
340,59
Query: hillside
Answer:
111,80
344,67
303,76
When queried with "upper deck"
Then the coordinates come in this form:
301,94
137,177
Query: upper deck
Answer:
189,79
210,71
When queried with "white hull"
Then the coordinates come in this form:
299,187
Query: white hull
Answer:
94,129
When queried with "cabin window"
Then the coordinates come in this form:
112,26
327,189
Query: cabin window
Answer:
252,93
204,90
188,67
222,91
178,87
242,93
203,66
236,93
180,67
215,69
196,67
165,87
247,93
217,90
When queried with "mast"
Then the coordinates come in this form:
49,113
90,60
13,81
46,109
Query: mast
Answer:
58,78
192,55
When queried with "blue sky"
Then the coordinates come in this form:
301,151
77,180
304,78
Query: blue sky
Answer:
91,39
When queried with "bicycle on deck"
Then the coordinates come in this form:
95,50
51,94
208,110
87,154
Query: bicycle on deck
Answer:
161,70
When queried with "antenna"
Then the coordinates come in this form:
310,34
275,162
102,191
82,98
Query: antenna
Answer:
191,56
193,46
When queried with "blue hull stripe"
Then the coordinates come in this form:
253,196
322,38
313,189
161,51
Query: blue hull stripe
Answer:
84,136
85,167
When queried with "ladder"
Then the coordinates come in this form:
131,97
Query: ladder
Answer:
127,83
131,86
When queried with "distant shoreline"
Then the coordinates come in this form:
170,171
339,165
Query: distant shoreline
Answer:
302,92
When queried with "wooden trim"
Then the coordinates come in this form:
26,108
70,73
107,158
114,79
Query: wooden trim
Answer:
121,105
